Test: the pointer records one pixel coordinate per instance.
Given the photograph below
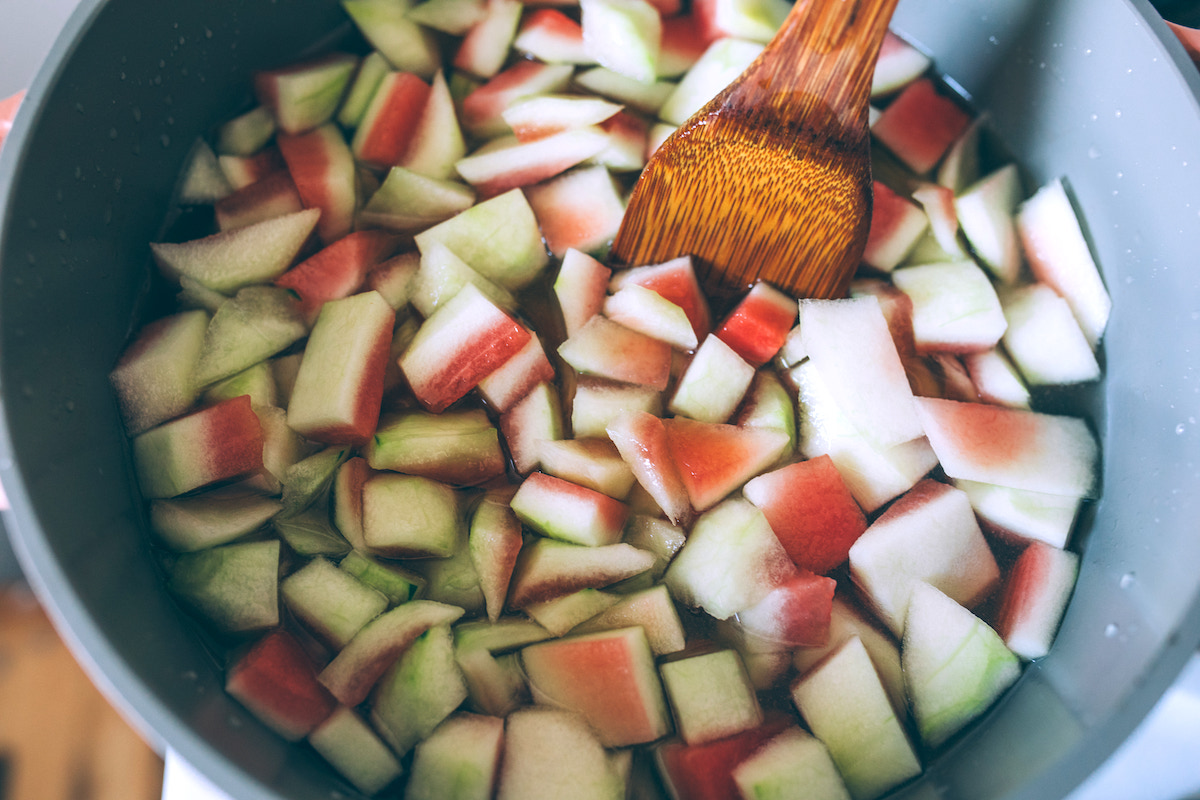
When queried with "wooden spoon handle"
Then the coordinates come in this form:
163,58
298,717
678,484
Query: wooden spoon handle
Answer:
823,56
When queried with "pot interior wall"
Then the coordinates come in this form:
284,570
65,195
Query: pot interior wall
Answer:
1078,88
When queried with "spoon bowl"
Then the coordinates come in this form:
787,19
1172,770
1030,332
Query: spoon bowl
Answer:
772,178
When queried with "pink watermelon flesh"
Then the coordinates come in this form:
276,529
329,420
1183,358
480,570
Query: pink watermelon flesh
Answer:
277,681
1035,596
322,167
338,270
273,196
920,125
715,459
758,326
811,510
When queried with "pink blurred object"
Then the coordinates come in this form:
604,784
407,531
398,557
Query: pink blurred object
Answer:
1190,38
8,110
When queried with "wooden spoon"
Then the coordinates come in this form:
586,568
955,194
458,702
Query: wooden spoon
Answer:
772,179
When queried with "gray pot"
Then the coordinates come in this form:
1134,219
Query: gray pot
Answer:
1096,90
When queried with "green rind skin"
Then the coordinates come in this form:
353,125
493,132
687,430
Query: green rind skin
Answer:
420,443
397,585
234,586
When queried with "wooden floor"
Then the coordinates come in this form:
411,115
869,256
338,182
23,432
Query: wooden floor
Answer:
59,738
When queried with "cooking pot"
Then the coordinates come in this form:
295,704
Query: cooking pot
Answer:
1096,91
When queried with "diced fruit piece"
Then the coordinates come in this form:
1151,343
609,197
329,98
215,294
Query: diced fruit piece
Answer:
928,535
459,760
459,447
331,602
498,238
442,275
507,163
714,383
255,324
351,746
202,179
711,696
938,202
396,584
386,129
371,71
228,261
580,287
920,125
580,209
216,443
485,47
567,511
610,350
234,586
623,36
322,167
657,535
393,279
769,406
1058,256
627,136
436,141
153,377
705,771
731,561
535,419
310,534
591,462
641,439
759,324
648,312
1022,515
534,118
214,518
549,35
273,196
846,707
683,41
676,281
407,201
874,475
847,620
652,610
245,170
955,666
608,678
305,95
794,614
647,98
562,614
482,109
811,511
996,378
898,64
309,478
897,224
465,340
420,691
276,680
849,344
756,20
517,377
598,402
495,684
406,45
455,17
509,633
1035,596
339,387
338,270
724,60
360,664
548,568
554,753
955,308
1044,340
715,459
792,766
408,516
1009,447
495,543
985,213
